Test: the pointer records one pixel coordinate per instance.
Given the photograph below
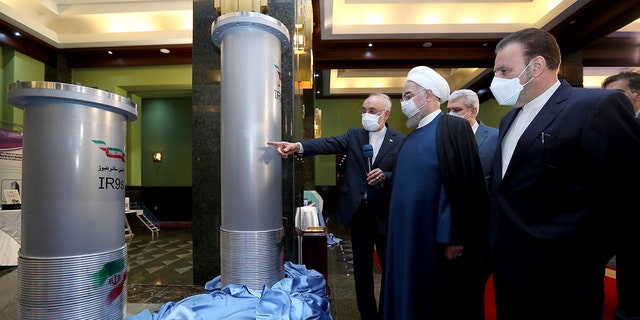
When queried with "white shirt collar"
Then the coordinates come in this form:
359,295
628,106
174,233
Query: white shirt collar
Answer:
475,126
537,103
424,121
378,134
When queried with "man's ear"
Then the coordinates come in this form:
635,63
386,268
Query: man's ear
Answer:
539,65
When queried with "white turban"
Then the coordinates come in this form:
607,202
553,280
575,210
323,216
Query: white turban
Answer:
429,79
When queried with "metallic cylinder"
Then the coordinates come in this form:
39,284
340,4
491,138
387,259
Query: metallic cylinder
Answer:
73,200
251,171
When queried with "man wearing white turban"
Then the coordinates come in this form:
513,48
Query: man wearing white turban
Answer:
439,211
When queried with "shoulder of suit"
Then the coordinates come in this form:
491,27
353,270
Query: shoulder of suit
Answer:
394,131
484,126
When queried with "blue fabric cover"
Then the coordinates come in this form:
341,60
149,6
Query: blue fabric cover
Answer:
300,295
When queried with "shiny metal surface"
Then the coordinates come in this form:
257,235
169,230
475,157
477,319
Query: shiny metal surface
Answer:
72,260
251,171
21,92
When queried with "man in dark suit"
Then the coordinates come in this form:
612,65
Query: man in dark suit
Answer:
627,253
559,194
464,103
363,203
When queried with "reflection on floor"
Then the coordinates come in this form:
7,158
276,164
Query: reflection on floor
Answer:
161,270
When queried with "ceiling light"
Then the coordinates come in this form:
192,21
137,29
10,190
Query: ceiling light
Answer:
164,50
370,44
109,52
17,34
427,44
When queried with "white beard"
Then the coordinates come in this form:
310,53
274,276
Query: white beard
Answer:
412,122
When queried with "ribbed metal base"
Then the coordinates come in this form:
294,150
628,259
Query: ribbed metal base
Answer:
252,258
83,287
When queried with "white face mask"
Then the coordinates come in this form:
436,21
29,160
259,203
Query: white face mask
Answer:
507,91
409,108
370,121
463,116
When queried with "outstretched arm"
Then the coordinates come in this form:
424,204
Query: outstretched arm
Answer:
285,149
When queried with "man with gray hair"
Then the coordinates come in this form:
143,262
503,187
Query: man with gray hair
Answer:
439,210
464,103
363,203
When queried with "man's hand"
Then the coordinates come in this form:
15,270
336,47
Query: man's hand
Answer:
375,176
453,252
285,149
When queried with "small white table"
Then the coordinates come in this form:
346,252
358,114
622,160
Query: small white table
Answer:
9,237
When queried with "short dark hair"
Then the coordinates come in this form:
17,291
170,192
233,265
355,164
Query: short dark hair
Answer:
632,78
535,42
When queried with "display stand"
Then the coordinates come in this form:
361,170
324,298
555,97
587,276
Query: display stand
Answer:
314,253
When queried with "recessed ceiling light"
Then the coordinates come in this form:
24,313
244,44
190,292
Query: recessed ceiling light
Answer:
164,50
427,44
109,52
370,44
17,34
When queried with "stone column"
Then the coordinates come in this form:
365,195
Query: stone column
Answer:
206,145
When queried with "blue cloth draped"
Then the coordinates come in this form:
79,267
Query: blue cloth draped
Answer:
300,295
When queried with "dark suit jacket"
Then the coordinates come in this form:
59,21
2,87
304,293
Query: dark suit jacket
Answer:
355,184
487,139
565,190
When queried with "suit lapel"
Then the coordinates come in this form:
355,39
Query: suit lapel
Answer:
364,138
387,142
549,111
481,134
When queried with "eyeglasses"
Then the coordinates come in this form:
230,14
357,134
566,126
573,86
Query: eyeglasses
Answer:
371,111
409,95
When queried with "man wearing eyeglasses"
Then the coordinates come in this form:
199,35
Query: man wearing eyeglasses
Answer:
363,202
438,214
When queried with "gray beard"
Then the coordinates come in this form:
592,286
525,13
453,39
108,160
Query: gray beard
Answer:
413,121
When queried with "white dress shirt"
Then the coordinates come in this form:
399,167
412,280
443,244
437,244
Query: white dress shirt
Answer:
521,122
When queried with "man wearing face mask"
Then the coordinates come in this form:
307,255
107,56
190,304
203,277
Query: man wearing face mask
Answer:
464,103
559,195
363,202
438,214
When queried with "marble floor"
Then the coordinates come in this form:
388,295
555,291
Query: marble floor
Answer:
161,270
